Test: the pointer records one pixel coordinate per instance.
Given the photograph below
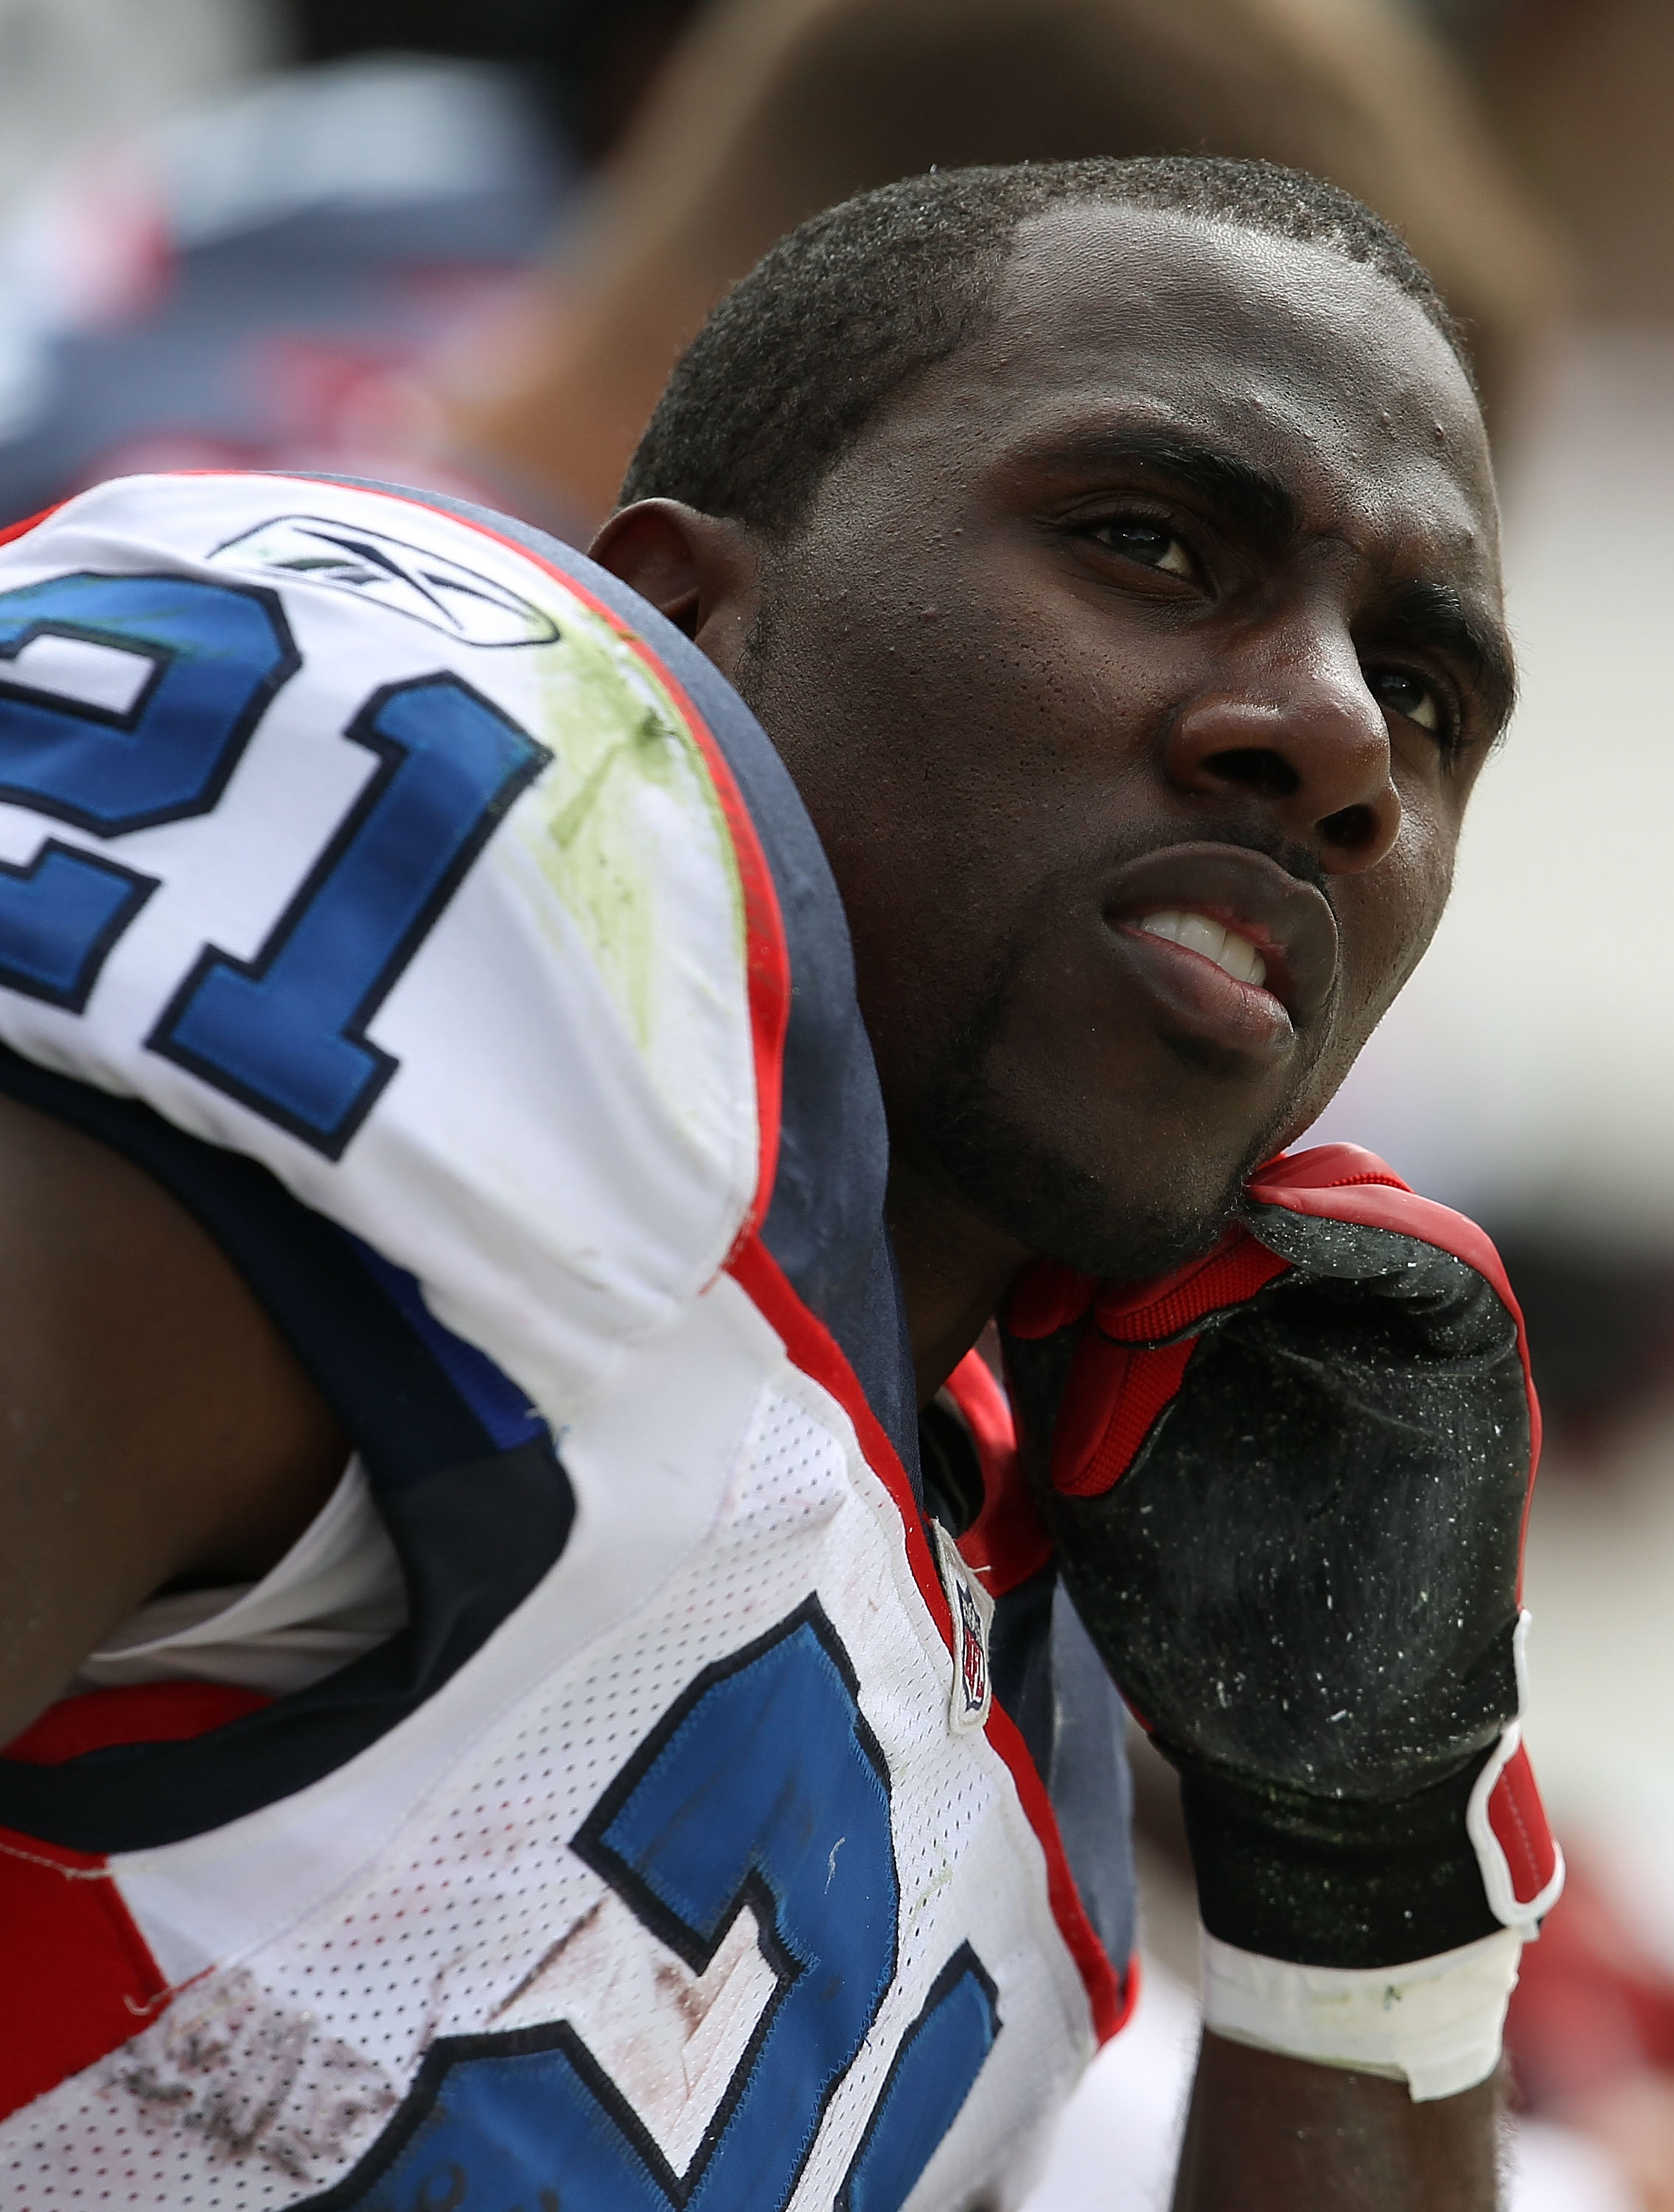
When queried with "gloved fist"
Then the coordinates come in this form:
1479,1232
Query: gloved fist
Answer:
1288,1487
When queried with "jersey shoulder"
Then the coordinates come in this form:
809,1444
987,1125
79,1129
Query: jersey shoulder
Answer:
364,836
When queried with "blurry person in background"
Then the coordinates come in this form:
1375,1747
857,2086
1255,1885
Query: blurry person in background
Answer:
83,71
207,260
772,109
250,282
465,248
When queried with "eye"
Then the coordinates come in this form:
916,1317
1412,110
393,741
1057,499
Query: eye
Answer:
1410,695
1152,545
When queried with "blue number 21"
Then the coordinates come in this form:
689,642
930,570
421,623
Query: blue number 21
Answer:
763,1789
285,1032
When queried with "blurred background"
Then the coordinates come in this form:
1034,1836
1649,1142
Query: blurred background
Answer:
460,245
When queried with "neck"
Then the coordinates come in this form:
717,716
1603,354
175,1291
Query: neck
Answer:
954,1270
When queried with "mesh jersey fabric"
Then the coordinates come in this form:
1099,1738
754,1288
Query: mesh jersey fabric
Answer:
437,926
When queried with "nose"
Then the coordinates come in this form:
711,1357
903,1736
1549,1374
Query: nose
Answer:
1307,739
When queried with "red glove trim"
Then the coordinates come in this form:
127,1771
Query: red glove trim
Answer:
1380,1201
1149,1313
1110,1405
1115,1396
1123,1376
1047,1297
1326,1167
1518,1821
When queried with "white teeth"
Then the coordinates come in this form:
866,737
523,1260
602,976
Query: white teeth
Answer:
1225,947
1198,934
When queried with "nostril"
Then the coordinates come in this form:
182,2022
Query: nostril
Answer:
1351,829
1252,768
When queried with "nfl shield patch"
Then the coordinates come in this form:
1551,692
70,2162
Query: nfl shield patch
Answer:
973,1610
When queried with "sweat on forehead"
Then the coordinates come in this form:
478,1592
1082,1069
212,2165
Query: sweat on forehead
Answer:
800,355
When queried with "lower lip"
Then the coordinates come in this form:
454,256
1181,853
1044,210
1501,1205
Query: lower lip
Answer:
1201,1001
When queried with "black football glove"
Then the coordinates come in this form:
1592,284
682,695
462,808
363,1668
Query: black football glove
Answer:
1288,1487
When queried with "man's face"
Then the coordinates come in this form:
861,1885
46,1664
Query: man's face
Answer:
1169,608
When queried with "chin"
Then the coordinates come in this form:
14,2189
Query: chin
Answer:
1122,1195
1058,1209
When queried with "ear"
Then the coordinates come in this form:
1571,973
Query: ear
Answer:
702,571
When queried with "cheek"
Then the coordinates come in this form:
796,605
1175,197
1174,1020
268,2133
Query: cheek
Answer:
1388,918
950,770
964,745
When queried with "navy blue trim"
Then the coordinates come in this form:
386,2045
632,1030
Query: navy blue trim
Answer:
1050,1679
476,1524
504,1410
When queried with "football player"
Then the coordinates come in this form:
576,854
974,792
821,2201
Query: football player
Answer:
524,1077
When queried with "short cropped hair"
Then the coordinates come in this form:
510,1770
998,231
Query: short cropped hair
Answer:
800,355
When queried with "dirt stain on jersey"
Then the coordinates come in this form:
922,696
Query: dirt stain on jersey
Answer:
254,2080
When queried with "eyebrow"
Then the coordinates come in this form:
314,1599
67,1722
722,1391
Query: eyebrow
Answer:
1262,507
1437,614
1255,502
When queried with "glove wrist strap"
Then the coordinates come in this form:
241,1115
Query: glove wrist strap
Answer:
1434,2023
1283,1873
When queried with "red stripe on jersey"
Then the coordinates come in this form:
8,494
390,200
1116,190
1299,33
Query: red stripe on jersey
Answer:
21,529
80,1981
140,1712
1006,1543
811,1348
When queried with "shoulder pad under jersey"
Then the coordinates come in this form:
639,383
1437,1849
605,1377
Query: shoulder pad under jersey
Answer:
403,851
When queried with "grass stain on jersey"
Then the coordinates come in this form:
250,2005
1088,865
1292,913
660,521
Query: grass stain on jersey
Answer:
627,770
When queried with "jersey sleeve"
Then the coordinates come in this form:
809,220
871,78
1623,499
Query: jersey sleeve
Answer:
346,835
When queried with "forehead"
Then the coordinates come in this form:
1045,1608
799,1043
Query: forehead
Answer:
1308,365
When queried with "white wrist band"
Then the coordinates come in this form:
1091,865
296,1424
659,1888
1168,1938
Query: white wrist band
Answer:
1434,2023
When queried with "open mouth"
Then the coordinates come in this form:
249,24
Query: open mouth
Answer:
1233,954
1229,945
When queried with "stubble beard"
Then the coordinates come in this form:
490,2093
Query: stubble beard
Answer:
1023,1185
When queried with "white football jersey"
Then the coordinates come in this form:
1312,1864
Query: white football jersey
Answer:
437,926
